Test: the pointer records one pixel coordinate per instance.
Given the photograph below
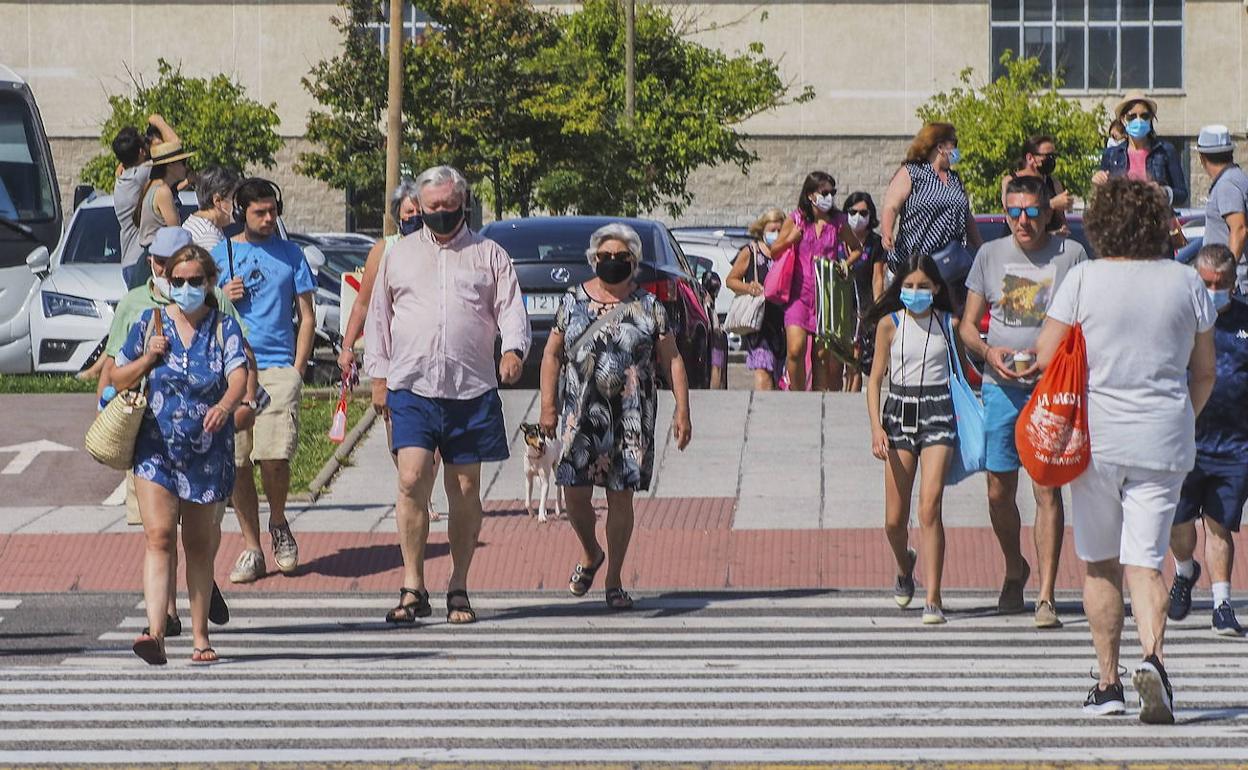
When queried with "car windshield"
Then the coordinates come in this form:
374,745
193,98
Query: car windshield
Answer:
562,241
95,236
26,188
339,260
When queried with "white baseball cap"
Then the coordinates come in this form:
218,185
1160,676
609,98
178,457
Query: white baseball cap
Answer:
1214,139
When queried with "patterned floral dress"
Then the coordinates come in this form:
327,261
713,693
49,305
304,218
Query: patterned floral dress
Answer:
173,449
609,392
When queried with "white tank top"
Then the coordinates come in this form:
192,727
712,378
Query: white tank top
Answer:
920,353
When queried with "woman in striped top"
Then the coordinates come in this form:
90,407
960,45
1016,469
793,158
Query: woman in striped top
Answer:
926,207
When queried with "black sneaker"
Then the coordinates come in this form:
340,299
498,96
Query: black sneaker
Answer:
1156,697
218,610
1181,594
1224,622
1105,702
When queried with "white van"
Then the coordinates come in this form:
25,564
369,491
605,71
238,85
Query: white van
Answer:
30,215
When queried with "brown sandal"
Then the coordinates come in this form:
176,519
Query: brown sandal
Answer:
151,649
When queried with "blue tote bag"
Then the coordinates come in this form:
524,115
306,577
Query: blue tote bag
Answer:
971,454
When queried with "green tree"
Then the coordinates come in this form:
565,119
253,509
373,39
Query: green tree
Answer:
469,85
994,119
690,102
531,104
212,116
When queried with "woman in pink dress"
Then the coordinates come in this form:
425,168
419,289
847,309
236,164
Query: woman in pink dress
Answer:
814,230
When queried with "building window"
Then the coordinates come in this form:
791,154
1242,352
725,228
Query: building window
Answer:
1094,45
415,23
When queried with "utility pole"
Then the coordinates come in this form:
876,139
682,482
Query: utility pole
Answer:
394,110
630,55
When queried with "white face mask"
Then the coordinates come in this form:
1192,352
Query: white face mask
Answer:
858,221
824,202
161,284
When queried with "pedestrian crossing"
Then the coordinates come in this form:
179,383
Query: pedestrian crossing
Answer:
814,677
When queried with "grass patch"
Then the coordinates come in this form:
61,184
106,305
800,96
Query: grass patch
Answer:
315,448
44,383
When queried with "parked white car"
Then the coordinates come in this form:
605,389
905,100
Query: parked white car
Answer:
718,244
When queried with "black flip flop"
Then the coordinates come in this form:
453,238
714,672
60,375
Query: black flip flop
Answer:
583,577
218,610
465,607
407,613
150,649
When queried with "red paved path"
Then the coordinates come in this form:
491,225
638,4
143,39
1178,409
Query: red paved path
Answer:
677,544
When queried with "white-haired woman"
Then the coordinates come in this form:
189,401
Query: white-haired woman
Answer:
606,336
405,208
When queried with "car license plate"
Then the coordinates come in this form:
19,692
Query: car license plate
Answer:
541,304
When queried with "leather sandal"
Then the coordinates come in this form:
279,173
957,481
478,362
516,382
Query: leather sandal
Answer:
151,649
583,577
464,607
405,614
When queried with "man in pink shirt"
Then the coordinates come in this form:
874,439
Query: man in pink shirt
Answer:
443,295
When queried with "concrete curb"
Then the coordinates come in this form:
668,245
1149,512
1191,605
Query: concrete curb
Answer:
340,455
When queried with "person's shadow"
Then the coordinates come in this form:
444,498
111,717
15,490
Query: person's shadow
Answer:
366,560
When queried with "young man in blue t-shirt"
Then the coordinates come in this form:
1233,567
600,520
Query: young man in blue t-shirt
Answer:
1217,487
269,283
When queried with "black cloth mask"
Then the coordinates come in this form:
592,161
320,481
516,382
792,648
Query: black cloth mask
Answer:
443,222
1047,165
613,271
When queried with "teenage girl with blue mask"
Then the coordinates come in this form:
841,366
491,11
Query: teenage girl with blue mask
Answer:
914,433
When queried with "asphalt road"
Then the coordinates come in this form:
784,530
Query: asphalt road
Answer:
702,678
42,460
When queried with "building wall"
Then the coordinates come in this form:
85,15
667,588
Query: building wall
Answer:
871,65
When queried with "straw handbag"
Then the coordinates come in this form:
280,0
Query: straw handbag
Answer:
111,438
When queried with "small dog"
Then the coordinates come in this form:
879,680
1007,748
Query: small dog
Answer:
539,463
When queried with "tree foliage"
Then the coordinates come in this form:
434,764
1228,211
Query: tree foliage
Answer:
532,104
993,121
213,116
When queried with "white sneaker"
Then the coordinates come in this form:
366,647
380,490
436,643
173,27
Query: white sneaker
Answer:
285,549
249,568
933,615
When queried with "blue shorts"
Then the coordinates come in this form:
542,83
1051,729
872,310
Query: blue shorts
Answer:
1216,490
1001,408
465,432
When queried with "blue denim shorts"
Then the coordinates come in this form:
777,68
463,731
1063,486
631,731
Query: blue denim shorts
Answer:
1001,408
466,432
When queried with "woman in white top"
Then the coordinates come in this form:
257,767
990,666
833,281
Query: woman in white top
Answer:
214,188
915,431
1148,322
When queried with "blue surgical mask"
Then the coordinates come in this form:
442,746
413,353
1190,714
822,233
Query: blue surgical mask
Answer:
1139,128
955,156
189,298
917,300
771,237
1221,298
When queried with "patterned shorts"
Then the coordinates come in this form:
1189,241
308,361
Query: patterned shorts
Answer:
936,421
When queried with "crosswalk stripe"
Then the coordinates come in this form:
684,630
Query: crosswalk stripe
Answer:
401,716
699,679
10,604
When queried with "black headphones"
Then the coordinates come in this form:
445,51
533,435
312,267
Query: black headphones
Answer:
240,215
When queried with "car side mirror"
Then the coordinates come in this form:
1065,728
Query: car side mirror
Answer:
81,193
711,282
315,258
39,261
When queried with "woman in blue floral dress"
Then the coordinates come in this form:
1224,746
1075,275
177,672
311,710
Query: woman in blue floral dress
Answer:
184,456
600,365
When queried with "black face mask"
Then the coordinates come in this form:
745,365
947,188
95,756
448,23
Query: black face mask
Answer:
613,271
1047,166
410,225
443,222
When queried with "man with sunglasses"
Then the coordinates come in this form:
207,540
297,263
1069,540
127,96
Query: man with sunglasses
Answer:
1013,279
155,293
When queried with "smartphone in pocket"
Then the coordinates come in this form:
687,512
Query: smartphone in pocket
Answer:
910,416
